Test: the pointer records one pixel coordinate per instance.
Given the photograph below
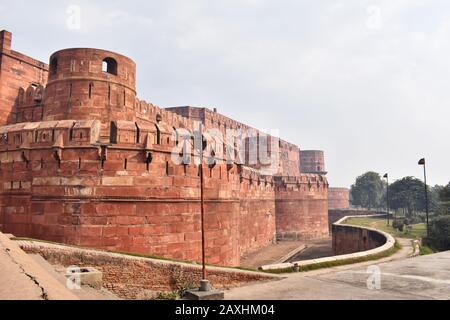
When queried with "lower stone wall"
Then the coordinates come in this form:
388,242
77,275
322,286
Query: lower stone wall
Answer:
302,215
350,239
137,278
338,198
256,223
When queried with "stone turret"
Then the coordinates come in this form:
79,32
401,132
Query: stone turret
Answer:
87,84
312,161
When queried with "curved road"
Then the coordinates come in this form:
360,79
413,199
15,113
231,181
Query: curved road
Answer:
401,277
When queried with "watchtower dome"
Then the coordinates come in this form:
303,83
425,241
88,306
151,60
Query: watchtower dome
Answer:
88,84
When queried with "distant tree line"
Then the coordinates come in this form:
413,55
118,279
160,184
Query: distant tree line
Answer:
407,198
406,195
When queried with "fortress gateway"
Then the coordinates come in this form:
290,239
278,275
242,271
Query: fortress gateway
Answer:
83,161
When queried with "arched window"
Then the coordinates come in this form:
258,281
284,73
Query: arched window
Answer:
175,133
110,66
53,66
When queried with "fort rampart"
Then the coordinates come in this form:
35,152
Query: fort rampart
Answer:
84,161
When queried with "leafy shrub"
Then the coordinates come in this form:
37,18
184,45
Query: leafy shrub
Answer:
398,224
171,295
424,250
439,238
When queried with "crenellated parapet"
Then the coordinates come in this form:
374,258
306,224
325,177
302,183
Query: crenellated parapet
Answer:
64,133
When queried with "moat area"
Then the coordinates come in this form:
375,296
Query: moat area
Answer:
288,251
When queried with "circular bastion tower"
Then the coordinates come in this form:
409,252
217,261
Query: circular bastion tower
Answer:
90,84
312,161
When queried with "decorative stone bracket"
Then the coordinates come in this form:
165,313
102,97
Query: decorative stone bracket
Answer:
147,149
58,147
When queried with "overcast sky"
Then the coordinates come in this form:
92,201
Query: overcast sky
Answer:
366,81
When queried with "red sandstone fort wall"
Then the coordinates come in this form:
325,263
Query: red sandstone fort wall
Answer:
85,162
123,205
302,208
338,198
17,73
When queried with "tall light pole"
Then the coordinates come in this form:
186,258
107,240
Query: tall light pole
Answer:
204,283
205,292
422,163
387,196
202,214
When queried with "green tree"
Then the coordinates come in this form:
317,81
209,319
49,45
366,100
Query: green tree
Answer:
444,200
439,238
408,195
367,191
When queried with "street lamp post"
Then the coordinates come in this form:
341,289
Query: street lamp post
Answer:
202,214
204,283
387,196
205,292
422,163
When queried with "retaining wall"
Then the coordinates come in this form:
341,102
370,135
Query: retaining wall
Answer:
351,239
349,243
335,215
134,278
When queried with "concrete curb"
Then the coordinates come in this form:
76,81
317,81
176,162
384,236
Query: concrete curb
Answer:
291,254
390,242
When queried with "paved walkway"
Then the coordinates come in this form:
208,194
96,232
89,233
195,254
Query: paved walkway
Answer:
23,279
424,277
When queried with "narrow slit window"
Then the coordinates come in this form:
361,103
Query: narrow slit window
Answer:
158,135
91,86
138,133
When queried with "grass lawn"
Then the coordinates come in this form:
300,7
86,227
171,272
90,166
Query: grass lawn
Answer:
417,231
